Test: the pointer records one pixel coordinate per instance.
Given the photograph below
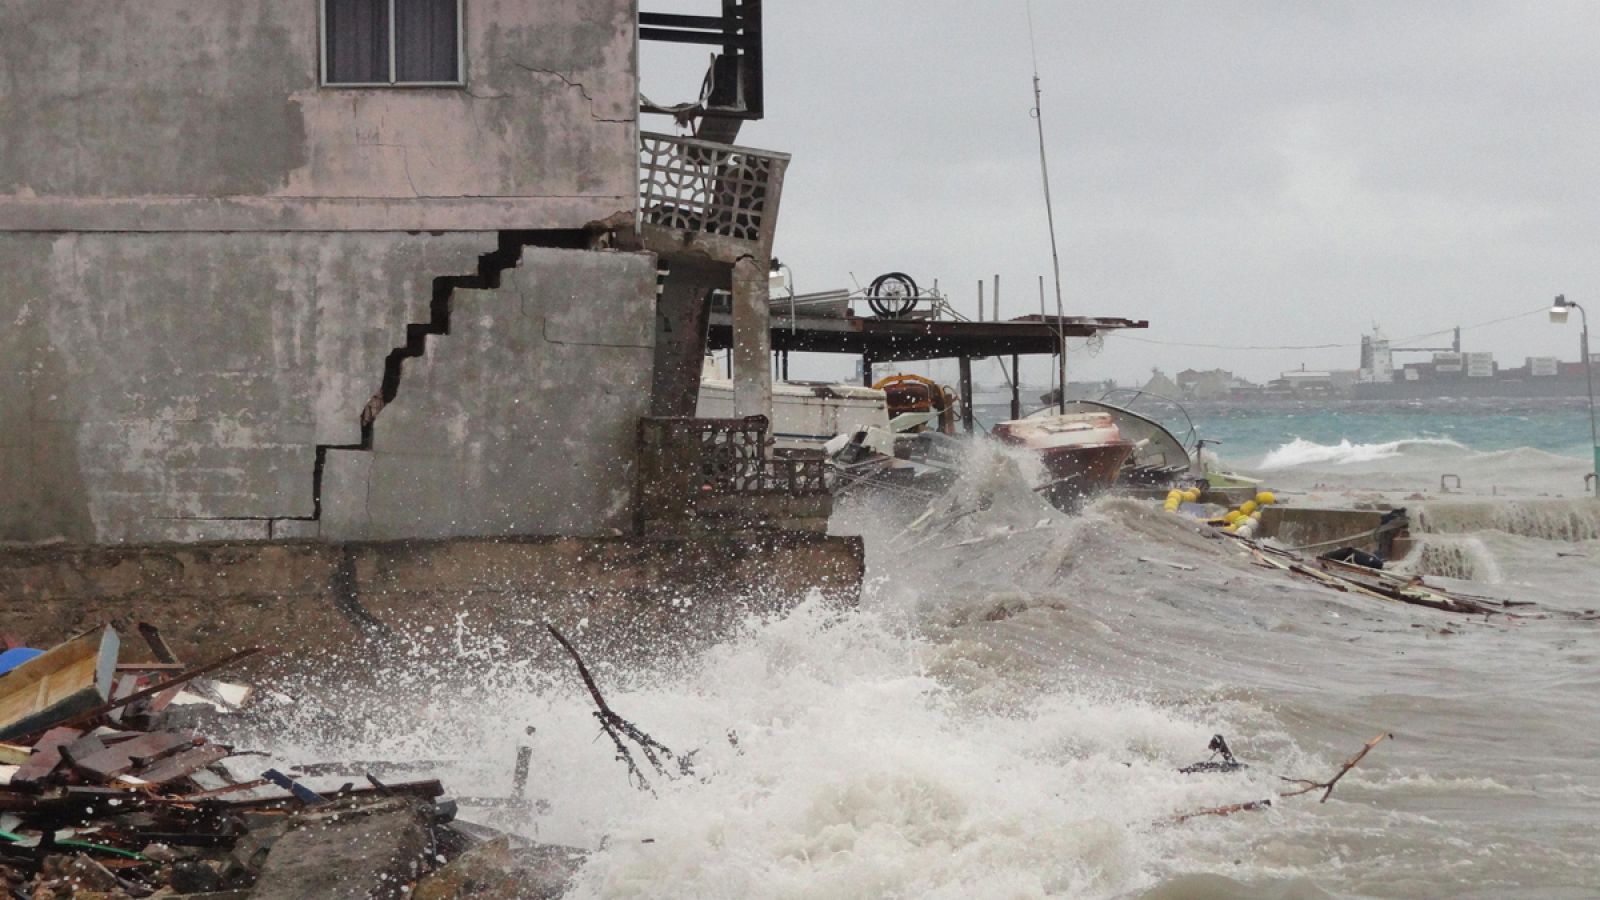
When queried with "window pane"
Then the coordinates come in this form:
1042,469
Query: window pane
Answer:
358,41
425,40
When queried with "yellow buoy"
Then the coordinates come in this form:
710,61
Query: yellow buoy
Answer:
1233,516
1248,507
1192,495
1266,498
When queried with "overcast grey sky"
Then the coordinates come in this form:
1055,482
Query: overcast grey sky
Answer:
1237,173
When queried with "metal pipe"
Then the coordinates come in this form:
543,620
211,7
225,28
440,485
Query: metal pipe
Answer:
1588,374
1050,217
1562,303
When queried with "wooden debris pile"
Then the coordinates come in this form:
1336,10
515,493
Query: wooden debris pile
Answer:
1392,587
110,787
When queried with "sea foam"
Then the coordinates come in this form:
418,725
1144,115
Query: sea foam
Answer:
1301,452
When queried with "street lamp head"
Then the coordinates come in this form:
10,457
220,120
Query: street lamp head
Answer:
1559,309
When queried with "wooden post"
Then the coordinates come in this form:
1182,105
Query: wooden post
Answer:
1016,390
966,394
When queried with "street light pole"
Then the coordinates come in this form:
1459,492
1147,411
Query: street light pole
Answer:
1558,313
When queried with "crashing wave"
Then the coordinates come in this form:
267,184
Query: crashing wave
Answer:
1301,452
1551,520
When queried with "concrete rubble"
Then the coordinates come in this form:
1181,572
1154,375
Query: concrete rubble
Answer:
131,798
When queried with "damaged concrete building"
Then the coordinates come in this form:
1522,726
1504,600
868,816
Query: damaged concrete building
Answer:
344,268
361,270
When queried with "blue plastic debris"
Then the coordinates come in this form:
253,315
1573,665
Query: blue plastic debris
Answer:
16,656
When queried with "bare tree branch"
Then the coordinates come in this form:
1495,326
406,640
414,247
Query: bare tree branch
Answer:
617,728
1308,786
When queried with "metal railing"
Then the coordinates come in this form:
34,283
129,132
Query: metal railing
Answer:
703,188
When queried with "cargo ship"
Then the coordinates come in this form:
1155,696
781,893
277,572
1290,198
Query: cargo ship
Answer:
1449,372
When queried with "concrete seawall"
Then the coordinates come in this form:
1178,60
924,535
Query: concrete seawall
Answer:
629,598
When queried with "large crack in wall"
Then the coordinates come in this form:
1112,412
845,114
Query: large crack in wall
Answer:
491,266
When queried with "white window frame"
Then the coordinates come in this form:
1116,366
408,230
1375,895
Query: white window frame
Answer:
461,53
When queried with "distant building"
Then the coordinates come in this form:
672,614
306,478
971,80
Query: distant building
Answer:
1161,385
1213,384
1303,383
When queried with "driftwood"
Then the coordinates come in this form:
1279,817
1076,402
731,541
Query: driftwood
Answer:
1230,809
617,728
1306,785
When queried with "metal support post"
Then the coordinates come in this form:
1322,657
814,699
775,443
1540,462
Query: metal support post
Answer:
966,394
1016,389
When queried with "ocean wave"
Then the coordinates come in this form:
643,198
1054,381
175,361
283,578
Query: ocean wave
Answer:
1563,520
1301,452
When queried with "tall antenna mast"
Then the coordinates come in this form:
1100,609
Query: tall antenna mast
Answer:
1050,216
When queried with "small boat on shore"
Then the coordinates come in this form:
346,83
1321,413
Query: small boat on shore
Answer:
1082,452
67,680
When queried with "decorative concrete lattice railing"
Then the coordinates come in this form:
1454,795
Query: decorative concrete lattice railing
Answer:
726,456
716,200
699,474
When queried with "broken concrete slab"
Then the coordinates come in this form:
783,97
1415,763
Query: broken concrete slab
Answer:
372,850
494,871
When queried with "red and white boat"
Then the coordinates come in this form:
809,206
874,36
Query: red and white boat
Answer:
1083,452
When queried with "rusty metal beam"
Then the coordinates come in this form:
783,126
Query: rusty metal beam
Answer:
902,340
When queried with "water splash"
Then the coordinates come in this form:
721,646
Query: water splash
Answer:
1462,557
1301,452
1546,519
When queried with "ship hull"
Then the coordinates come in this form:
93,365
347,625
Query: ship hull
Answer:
1082,453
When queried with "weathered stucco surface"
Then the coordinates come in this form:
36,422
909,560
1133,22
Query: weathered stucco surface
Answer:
337,602
522,420
208,115
209,256
153,384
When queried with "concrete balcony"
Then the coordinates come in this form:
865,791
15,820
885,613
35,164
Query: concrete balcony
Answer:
708,201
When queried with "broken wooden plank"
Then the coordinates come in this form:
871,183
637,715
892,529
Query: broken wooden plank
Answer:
59,685
1182,567
181,678
46,756
119,759
182,764
164,652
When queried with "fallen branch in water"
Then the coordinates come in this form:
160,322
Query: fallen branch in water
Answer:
1309,786
1228,810
617,728
1306,784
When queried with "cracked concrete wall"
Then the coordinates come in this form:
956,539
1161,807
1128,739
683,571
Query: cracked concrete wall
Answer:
208,115
152,384
208,255
522,420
